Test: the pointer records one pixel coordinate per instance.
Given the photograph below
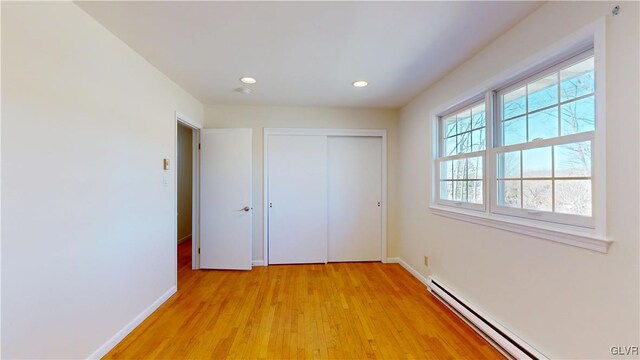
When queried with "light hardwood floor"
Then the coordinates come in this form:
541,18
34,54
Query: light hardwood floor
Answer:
345,310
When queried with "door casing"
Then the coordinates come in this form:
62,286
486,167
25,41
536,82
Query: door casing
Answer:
195,190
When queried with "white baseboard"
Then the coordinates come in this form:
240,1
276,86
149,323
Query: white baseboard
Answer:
184,239
115,339
407,267
257,262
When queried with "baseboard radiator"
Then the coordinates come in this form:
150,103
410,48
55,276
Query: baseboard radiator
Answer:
508,342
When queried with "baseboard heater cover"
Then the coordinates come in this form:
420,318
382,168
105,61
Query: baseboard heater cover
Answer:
502,337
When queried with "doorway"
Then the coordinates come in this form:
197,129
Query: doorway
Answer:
220,193
184,174
187,204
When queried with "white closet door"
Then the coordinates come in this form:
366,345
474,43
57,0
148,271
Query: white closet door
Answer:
297,199
355,193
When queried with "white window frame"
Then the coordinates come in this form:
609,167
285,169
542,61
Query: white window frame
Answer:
567,219
480,153
590,234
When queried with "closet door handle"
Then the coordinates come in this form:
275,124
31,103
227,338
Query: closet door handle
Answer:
246,208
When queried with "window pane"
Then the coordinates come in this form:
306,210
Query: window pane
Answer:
573,197
478,139
578,116
514,131
460,169
514,103
536,162
464,121
450,126
509,193
509,165
478,117
464,143
573,160
446,170
450,146
474,168
577,80
543,92
536,195
459,191
474,192
543,124
446,190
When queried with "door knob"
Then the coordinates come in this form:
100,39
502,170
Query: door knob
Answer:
246,208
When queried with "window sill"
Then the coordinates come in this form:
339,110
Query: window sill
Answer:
584,238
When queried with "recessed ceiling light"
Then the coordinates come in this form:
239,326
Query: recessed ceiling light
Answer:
360,83
248,80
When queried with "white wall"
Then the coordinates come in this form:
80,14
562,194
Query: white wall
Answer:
566,301
184,167
260,117
88,229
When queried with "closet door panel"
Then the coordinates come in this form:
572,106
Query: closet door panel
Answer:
297,183
355,195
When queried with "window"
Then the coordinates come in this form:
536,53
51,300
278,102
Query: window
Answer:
545,129
463,145
525,154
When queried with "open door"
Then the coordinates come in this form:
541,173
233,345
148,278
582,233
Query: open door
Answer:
225,199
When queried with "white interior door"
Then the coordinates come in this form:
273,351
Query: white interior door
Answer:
225,203
355,195
297,176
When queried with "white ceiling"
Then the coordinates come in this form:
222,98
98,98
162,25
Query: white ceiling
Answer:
307,53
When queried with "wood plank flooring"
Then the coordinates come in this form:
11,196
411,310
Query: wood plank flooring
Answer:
336,311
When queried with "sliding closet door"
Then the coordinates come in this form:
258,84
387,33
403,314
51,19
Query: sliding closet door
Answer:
297,183
355,195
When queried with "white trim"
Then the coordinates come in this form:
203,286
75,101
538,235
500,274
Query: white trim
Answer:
195,207
383,245
463,204
558,140
490,158
479,153
327,132
265,199
411,270
319,132
188,121
555,232
481,326
599,165
257,263
115,339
